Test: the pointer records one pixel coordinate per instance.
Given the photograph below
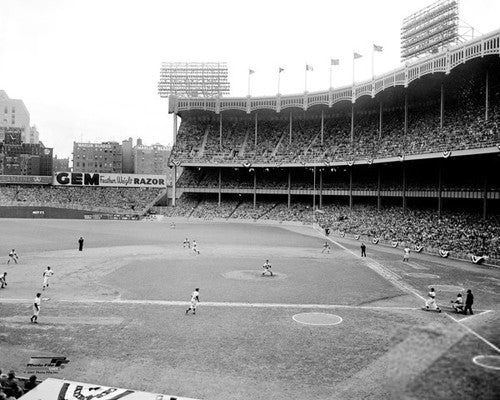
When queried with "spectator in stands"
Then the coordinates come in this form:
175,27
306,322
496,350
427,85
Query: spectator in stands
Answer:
30,384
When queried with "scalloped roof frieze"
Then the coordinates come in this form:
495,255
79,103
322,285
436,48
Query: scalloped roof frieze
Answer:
488,44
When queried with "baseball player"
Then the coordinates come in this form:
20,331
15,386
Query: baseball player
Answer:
3,280
195,247
267,268
195,299
46,275
406,254
36,308
13,256
458,304
431,304
326,247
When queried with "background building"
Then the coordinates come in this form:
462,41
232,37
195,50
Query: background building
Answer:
151,159
128,156
60,164
18,158
97,157
34,135
14,114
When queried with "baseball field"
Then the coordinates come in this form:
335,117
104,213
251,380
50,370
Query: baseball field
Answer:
325,326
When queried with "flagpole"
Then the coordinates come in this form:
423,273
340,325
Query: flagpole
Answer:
330,73
353,61
305,90
249,83
279,75
373,57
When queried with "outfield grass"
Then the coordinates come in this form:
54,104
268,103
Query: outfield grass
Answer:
114,311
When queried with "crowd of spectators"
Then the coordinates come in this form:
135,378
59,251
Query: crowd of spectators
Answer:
102,199
464,127
456,231
459,232
12,387
336,179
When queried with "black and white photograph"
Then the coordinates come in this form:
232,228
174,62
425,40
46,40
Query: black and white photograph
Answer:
249,200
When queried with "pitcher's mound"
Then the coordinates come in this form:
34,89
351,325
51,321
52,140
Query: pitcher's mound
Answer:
252,275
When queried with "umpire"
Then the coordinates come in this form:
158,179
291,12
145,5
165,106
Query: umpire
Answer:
469,300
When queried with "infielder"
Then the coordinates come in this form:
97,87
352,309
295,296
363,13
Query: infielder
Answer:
36,308
46,275
195,299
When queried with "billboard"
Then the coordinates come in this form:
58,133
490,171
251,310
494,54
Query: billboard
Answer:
109,180
58,389
25,179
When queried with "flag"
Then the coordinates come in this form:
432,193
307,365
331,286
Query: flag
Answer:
377,48
251,71
309,67
334,61
357,55
280,70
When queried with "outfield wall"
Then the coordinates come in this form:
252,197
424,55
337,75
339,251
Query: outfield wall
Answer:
42,212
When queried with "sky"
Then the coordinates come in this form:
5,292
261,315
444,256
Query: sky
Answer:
88,70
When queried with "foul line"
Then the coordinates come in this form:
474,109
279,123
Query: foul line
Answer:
213,304
393,278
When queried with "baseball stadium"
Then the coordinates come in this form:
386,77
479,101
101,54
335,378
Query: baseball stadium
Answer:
405,163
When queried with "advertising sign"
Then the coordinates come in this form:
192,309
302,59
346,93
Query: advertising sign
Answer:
109,180
25,179
58,389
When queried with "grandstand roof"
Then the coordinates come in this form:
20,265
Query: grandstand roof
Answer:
443,62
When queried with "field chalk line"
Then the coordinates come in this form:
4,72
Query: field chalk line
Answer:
215,304
392,277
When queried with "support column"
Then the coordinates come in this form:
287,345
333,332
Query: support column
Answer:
174,185
485,197
175,128
220,131
379,199
350,188
321,188
380,123
403,195
352,123
314,188
255,131
290,141
220,185
441,111
254,189
289,188
440,189
406,115
487,100
322,125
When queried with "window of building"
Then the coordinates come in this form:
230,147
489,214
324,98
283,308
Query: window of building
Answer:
13,110
6,110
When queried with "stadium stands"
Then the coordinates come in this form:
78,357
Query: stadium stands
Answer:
102,199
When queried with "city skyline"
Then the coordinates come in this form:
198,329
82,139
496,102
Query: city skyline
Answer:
88,71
